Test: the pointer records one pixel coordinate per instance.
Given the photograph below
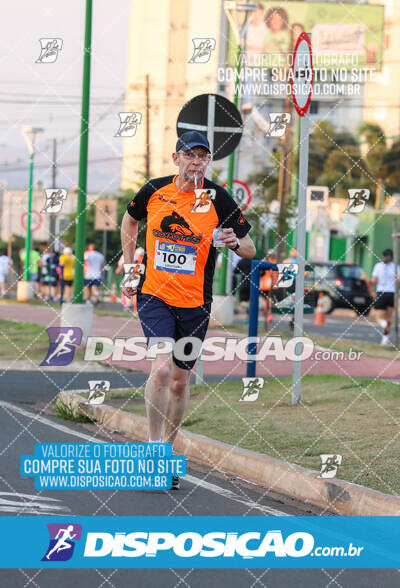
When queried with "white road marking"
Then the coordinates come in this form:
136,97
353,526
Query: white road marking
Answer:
191,479
33,505
235,497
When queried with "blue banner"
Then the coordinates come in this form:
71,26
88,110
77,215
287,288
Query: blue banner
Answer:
200,542
103,466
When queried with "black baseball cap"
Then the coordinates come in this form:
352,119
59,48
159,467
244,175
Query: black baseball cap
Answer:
192,139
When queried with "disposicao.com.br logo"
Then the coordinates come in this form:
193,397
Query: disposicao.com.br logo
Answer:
210,545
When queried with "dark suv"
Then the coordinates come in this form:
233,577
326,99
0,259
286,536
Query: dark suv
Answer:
344,285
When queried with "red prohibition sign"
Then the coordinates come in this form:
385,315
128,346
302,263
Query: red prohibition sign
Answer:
34,213
303,108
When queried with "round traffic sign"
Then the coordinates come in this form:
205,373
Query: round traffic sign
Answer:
36,220
241,194
302,74
216,117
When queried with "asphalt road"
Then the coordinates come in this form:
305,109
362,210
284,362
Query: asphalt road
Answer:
352,327
30,387
202,493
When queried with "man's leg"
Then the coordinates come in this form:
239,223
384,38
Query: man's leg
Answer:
389,314
88,293
177,402
381,316
156,395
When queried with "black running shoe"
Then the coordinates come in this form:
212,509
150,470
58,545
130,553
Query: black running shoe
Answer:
176,484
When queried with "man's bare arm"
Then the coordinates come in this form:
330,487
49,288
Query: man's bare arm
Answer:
129,231
247,248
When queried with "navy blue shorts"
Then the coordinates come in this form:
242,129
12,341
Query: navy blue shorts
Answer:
92,282
159,319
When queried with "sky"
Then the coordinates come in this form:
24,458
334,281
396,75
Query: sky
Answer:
48,95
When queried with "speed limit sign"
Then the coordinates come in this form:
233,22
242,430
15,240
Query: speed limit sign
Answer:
241,194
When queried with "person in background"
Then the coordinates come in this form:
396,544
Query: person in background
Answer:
44,277
48,273
293,260
67,265
34,260
93,266
243,272
6,264
277,39
267,279
384,277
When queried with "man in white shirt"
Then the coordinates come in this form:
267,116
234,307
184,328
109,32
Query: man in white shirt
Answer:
383,275
6,264
92,269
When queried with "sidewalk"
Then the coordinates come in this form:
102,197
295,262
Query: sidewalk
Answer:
365,367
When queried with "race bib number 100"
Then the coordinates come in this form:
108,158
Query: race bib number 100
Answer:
175,258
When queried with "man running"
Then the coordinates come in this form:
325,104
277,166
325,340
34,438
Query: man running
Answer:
175,291
383,275
92,269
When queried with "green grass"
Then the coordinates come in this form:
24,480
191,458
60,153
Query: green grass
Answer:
132,393
360,421
26,341
67,413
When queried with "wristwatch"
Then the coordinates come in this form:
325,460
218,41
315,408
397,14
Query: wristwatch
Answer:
236,246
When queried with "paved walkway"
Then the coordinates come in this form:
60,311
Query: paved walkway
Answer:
106,326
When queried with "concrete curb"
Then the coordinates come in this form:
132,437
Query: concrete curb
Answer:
302,484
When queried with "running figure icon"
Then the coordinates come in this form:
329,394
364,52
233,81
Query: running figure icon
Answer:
62,541
63,341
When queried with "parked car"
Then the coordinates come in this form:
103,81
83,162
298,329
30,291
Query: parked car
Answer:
344,285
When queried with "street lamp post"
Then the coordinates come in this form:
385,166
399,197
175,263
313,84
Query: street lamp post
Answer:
79,314
29,134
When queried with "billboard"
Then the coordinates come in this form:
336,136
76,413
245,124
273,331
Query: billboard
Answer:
343,35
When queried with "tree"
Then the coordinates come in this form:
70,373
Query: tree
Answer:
391,168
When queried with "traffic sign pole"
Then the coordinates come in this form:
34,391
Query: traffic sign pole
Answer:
301,91
83,156
222,275
28,224
220,120
301,250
